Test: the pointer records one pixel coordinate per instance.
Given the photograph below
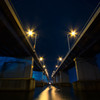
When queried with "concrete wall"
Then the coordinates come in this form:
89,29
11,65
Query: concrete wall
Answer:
64,77
87,69
45,78
16,68
37,75
88,75
17,84
16,74
57,78
54,79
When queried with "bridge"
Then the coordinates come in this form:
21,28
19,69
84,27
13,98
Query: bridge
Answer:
18,59
82,56
19,62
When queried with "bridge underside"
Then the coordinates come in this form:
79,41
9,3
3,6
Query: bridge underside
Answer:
13,40
87,45
15,45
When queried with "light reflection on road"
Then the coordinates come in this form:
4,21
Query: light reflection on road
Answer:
50,93
66,93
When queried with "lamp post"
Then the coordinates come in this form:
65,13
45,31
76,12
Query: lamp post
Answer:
35,40
31,33
68,42
56,66
72,33
41,59
58,60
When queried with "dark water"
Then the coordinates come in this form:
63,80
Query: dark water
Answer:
50,93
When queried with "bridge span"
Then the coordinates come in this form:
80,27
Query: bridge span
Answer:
18,58
82,56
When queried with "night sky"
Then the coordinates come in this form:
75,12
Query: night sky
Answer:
52,20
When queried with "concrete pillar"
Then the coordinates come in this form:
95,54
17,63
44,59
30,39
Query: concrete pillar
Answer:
54,80
16,74
87,69
64,77
57,78
88,74
16,68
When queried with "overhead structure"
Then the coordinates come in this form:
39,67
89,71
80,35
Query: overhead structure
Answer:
87,44
13,39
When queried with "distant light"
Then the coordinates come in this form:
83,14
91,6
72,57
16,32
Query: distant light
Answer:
32,66
56,66
60,58
49,83
41,58
44,66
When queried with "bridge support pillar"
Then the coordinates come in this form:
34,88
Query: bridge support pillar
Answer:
64,78
57,78
88,74
54,80
16,74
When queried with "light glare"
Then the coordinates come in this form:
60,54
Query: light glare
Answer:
56,66
30,32
44,66
60,58
73,33
41,58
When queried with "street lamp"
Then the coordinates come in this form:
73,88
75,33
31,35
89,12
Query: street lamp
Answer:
72,33
31,33
56,66
60,59
44,66
41,58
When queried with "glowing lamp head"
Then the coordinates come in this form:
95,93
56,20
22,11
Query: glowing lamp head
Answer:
73,33
41,58
49,83
60,58
30,32
56,66
44,66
